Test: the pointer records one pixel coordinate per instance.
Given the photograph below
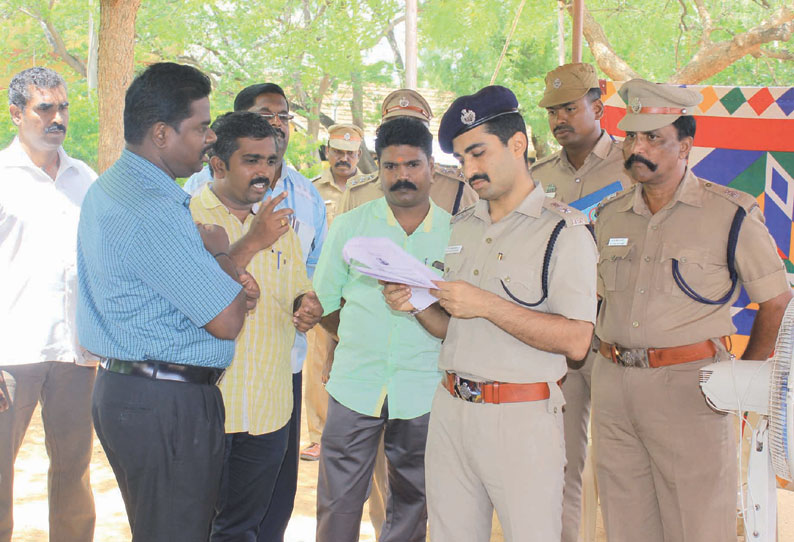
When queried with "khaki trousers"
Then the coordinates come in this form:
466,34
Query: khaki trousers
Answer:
576,418
64,391
507,457
665,462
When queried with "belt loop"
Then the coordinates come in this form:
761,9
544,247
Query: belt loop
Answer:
495,386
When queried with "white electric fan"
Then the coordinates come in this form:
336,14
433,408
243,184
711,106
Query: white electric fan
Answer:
764,387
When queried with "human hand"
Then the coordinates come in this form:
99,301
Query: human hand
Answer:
308,312
329,363
268,225
462,299
214,238
250,287
397,296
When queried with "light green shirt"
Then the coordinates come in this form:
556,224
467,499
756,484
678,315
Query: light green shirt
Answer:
381,353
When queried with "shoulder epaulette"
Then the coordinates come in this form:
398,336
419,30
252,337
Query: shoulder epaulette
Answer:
463,213
317,178
737,197
363,179
543,161
572,217
453,172
614,197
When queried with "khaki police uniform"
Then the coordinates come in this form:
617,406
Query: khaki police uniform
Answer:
562,181
506,456
665,461
448,190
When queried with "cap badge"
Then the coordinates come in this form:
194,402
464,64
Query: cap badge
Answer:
467,116
636,105
347,136
557,83
404,102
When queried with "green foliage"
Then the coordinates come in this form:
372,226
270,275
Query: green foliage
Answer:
311,47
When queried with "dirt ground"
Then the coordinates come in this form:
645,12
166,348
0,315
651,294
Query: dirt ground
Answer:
30,502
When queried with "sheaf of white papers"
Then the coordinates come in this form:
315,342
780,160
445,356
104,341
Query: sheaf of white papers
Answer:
383,259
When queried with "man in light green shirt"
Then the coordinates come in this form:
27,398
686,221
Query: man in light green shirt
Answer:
385,366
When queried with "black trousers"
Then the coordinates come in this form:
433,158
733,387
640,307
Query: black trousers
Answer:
165,443
278,513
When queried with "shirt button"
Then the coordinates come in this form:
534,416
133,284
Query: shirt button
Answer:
507,279
577,180
613,258
683,260
642,290
647,258
488,240
476,272
654,227
635,323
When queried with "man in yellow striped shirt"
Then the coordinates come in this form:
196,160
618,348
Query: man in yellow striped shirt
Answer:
257,387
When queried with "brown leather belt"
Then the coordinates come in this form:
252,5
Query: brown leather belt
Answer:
659,357
494,392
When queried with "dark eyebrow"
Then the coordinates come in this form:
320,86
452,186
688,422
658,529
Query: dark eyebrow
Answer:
472,147
254,155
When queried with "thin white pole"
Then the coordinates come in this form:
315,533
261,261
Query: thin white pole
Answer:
410,43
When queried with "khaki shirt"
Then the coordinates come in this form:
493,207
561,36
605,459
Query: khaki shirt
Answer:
602,167
333,196
643,307
512,250
447,182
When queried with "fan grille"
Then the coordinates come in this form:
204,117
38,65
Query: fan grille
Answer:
778,393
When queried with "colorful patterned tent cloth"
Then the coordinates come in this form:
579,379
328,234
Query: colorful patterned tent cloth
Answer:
744,139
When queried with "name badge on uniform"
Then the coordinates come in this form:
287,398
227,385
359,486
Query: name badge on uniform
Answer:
618,241
551,190
453,249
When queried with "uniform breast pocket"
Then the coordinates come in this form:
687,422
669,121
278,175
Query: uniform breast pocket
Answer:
698,268
614,266
453,266
517,281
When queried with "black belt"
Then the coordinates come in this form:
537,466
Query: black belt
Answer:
160,370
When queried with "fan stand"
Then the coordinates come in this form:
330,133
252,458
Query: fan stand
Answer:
760,513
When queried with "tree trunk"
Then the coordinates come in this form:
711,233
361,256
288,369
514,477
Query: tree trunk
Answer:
115,67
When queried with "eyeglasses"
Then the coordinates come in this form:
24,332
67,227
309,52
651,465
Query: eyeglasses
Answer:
283,117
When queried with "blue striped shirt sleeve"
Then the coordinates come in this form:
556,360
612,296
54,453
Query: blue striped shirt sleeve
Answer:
171,259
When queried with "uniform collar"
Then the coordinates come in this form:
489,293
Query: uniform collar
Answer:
689,192
383,210
600,150
208,199
531,205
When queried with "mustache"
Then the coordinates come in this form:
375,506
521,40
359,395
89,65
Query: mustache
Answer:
479,176
562,128
641,160
56,127
342,163
401,184
257,180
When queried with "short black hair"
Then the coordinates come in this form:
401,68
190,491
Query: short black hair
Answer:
593,94
404,131
505,126
39,77
246,97
685,125
229,127
163,92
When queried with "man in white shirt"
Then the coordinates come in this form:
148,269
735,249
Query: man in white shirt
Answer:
41,189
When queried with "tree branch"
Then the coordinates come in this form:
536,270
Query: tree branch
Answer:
56,42
712,58
610,63
705,19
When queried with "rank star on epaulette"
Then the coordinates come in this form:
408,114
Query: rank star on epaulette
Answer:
560,207
732,193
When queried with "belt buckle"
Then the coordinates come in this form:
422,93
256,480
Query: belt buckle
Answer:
632,357
467,390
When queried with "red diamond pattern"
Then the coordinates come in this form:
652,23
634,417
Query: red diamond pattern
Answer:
761,100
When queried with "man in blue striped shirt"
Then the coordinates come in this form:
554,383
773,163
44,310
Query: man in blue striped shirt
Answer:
161,302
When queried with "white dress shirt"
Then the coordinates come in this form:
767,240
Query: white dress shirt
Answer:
38,258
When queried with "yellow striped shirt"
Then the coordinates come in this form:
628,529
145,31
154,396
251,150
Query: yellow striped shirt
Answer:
257,386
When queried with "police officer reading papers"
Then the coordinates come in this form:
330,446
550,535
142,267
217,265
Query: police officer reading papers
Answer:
509,318
672,251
